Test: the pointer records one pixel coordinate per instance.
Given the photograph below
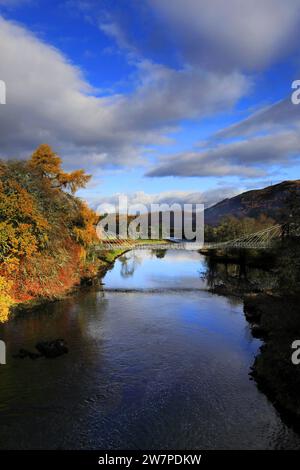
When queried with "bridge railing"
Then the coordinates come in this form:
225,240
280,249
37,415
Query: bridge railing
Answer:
262,239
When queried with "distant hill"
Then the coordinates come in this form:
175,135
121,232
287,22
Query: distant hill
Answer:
268,201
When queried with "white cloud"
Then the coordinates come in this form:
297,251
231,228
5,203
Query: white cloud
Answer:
230,34
249,148
208,198
252,157
280,116
48,100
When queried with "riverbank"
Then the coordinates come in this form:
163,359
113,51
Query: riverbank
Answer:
276,320
273,318
104,262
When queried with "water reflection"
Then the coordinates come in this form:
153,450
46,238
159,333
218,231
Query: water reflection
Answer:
160,253
146,370
157,269
129,264
237,274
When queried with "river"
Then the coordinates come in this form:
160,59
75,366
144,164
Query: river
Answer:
155,362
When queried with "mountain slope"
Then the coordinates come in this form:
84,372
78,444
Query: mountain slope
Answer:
268,201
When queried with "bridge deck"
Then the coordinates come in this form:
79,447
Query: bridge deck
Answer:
259,240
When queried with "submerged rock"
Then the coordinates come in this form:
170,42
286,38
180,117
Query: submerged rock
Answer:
258,331
48,349
53,348
25,353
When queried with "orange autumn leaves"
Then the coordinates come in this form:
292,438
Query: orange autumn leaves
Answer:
48,164
6,300
23,229
44,229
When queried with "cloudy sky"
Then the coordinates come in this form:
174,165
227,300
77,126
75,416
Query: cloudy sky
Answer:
162,100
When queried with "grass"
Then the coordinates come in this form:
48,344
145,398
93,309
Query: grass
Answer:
109,256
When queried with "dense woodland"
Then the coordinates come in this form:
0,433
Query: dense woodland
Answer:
232,227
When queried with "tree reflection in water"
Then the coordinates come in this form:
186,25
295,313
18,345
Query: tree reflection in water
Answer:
129,264
238,274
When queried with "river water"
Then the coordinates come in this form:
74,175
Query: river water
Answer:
155,362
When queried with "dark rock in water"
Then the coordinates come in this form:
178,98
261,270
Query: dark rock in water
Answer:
258,331
51,349
25,353
21,354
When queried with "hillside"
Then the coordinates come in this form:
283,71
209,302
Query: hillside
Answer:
268,201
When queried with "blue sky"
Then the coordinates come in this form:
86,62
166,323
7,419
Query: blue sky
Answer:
186,100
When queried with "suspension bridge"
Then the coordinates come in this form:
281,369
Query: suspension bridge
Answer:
262,239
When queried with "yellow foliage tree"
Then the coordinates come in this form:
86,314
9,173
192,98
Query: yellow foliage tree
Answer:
6,301
48,163
45,232
84,229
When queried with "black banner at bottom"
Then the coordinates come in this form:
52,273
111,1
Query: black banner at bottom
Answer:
134,459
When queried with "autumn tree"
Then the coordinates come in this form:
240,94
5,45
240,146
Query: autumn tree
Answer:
46,233
45,161
84,225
